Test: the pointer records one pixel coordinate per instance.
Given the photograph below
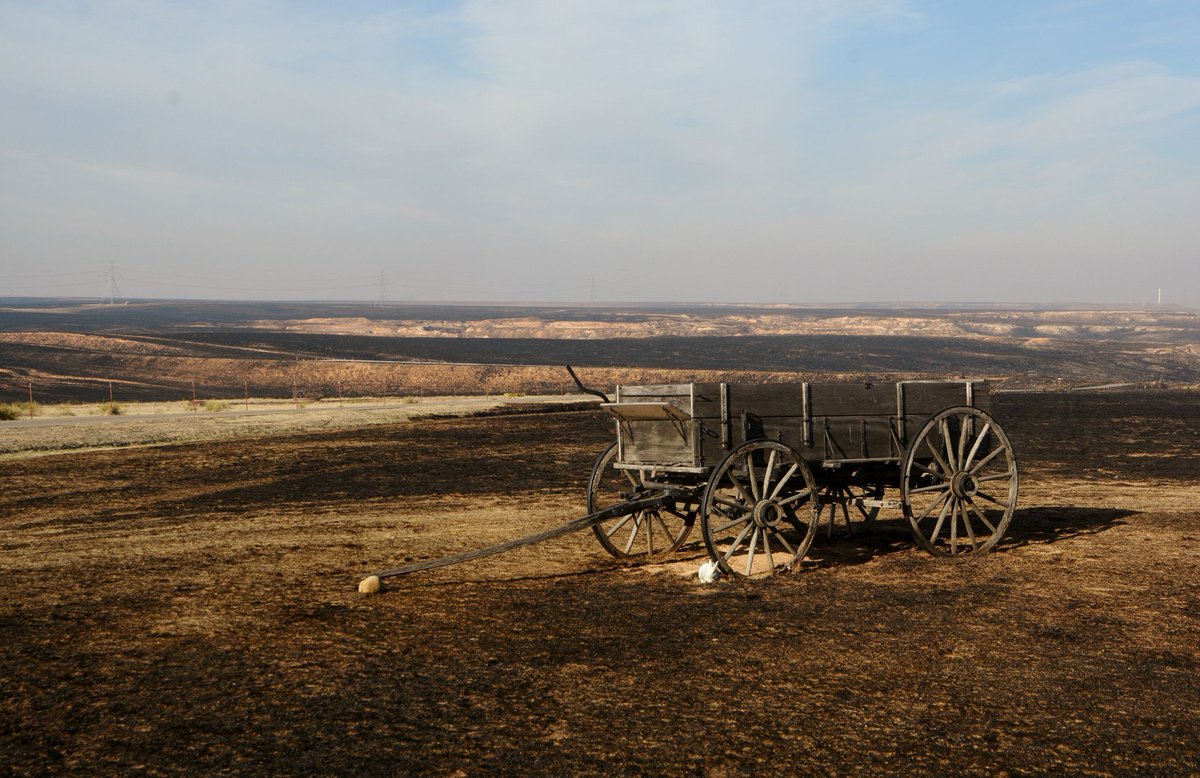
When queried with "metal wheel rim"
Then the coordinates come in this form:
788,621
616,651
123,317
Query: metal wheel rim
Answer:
640,536
759,518
959,483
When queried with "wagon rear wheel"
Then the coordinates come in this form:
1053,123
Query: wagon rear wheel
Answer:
840,507
642,535
959,484
759,516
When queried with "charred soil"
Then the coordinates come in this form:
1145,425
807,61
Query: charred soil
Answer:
192,609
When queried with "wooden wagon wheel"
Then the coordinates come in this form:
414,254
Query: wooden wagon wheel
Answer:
841,504
641,535
959,483
759,516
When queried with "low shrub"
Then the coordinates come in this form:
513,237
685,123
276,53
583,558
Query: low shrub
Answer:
216,406
18,410
111,408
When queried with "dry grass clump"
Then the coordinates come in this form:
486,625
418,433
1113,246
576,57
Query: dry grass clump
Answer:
111,408
12,411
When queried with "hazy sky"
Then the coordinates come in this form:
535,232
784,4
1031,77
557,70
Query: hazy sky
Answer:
814,151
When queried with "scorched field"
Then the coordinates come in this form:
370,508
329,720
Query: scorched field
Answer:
192,608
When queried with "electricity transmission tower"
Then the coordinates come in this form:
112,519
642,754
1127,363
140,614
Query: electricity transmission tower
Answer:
114,293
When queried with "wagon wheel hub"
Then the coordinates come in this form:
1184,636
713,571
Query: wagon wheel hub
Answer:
768,513
964,485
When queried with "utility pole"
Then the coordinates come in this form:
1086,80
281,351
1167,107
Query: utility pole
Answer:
592,288
113,291
382,289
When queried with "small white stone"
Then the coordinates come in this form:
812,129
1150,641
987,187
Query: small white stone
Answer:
369,585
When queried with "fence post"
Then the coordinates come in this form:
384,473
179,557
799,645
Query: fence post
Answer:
31,399
247,395
193,396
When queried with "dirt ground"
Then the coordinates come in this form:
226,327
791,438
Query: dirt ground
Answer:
192,608
65,427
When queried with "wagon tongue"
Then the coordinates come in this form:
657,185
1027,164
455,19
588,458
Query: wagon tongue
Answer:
659,500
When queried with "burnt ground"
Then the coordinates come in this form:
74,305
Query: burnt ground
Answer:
64,351
192,609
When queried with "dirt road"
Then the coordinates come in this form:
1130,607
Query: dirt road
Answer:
142,424
192,609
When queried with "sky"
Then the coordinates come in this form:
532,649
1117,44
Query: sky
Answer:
812,151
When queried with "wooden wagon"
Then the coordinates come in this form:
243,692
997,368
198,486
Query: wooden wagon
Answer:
763,467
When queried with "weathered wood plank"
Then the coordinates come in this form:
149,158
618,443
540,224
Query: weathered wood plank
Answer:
845,420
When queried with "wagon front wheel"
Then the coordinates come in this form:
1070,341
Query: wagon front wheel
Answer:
642,535
759,514
959,483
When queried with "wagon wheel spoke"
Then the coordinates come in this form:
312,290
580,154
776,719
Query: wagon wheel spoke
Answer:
746,495
766,485
685,515
766,542
821,506
750,555
933,506
975,447
868,514
784,481
936,474
948,446
962,443
942,487
730,525
941,519
975,508
966,520
624,520
783,542
637,524
795,497
953,526
728,503
995,477
737,541
666,529
938,457
752,477
981,463
991,499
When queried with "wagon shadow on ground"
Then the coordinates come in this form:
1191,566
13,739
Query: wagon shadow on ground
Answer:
1030,526
1052,523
